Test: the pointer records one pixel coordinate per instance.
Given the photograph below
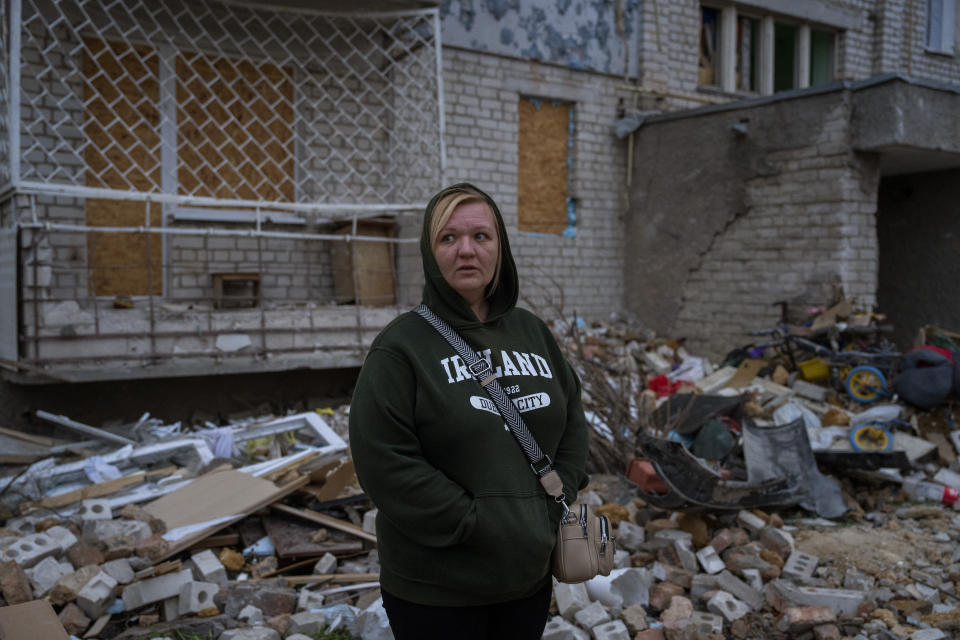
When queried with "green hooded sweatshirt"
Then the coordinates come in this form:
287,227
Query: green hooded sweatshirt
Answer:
462,519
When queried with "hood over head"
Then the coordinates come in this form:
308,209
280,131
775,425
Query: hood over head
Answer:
444,299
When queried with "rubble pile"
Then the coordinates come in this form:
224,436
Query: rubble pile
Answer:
755,499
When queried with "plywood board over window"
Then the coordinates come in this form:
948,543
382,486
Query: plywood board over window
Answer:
235,129
121,125
542,173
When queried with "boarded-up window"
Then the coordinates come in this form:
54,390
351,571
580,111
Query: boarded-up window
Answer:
235,129
542,174
122,123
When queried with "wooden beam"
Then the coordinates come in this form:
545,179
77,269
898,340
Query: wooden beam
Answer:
327,521
295,581
102,488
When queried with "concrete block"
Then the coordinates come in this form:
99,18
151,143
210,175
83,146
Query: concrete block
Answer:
858,581
195,597
70,585
630,536
254,633
95,509
154,589
372,623
753,578
688,560
927,634
308,600
726,605
370,521
120,570
570,598
740,589
621,559
326,564
710,560
30,550
171,608
842,601
750,521
45,575
62,536
251,615
591,616
308,623
797,620
799,565
96,530
208,568
777,540
97,595
706,624
673,535
701,584
614,630
559,629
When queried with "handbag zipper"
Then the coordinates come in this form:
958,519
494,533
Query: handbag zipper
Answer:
604,534
583,519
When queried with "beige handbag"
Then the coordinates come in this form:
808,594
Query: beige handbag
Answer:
584,547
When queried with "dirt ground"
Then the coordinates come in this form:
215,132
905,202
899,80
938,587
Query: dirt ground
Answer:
883,552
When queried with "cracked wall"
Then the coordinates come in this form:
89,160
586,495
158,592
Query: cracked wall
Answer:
724,224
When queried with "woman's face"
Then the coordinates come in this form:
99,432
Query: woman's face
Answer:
467,248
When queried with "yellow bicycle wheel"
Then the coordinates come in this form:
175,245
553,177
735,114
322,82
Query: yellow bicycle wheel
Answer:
866,384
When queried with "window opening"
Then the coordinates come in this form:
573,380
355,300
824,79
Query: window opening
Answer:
941,17
708,71
821,57
784,56
748,46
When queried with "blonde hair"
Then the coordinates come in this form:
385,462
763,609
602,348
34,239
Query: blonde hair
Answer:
442,212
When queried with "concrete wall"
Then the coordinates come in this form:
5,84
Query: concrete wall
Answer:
784,211
582,273
919,239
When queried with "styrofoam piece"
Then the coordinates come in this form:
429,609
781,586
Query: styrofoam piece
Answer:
622,587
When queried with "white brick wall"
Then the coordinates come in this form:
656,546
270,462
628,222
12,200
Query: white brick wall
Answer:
583,274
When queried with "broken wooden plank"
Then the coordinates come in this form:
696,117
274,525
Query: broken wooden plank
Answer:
212,502
31,620
17,364
327,521
84,428
293,538
102,488
294,581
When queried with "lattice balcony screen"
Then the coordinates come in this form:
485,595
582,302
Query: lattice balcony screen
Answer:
207,99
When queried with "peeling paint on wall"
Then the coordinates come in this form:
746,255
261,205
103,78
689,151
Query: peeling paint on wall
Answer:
599,35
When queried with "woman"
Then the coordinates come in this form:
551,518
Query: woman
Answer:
464,529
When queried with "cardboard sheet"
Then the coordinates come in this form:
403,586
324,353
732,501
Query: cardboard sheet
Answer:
31,621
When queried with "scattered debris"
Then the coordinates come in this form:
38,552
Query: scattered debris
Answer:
759,498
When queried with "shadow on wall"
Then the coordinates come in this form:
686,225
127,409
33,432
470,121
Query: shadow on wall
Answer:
189,399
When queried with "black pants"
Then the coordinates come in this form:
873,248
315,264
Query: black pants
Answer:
514,620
